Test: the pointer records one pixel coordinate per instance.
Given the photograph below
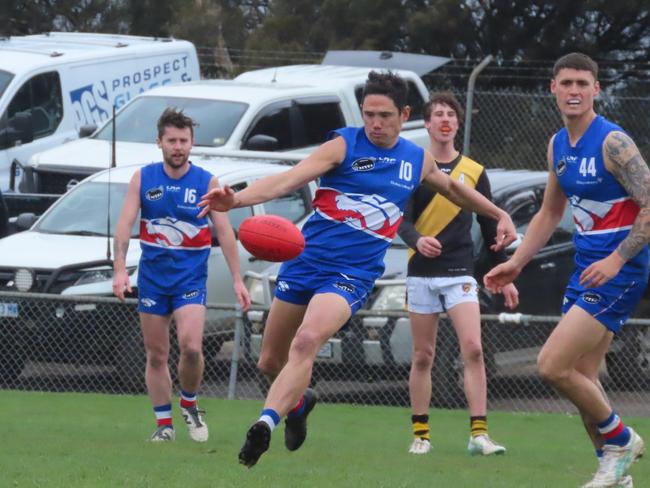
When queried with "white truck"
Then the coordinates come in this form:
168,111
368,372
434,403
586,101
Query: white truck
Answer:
286,109
54,84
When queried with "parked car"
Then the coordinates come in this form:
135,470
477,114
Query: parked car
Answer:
283,109
384,343
64,252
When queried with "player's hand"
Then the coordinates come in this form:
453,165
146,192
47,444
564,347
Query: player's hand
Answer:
500,276
121,283
510,295
219,199
429,247
241,292
506,233
600,272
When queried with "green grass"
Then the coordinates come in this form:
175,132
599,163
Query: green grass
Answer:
89,440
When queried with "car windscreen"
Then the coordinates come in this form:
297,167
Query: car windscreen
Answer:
84,211
5,79
216,119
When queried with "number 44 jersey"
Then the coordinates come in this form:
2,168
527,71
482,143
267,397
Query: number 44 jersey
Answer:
359,205
603,212
175,242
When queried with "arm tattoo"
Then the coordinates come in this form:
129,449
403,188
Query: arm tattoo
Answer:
631,171
119,250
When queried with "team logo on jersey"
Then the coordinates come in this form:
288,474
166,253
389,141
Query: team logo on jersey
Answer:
154,194
591,297
363,164
190,294
561,167
346,287
168,232
594,216
372,214
147,302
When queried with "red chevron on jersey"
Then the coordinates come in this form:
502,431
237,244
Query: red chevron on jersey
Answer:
372,214
174,234
593,217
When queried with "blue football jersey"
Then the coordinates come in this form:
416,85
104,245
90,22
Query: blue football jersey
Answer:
175,242
359,205
603,211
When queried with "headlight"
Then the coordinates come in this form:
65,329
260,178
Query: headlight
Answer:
392,297
24,279
99,275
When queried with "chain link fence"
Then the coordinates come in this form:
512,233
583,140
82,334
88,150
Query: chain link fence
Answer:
86,344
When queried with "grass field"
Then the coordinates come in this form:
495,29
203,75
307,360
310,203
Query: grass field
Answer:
89,440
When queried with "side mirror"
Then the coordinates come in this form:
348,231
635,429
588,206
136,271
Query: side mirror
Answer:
87,130
20,128
261,142
25,220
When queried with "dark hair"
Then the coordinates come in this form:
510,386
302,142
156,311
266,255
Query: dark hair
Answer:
388,84
577,61
443,98
174,118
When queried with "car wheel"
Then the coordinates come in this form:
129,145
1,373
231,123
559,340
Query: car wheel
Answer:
628,362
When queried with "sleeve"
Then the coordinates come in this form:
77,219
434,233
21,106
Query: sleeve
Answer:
488,225
407,230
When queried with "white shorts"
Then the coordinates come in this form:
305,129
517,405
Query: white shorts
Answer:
435,295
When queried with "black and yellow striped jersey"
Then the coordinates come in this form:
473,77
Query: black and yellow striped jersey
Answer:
429,213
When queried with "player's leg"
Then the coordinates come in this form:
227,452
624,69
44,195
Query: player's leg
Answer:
423,306
589,365
190,320
279,330
465,315
325,315
155,331
577,334
424,330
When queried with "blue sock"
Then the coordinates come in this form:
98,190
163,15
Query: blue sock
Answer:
270,417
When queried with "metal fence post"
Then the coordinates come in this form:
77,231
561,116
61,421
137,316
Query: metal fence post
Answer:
470,101
234,361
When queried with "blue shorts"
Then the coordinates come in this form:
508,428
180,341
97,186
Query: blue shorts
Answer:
298,281
610,304
154,302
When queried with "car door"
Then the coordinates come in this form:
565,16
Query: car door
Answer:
539,290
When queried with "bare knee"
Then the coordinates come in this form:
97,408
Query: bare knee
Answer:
423,359
191,355
549,370
472,353
157,359
305,343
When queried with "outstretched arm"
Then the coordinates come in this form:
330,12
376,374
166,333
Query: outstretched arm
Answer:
122,237
322,160
623,160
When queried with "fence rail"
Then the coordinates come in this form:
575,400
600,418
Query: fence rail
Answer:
58,343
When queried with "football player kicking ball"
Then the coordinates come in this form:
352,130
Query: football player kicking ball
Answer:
367,174
594,165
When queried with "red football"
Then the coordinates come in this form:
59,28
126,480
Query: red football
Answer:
271,237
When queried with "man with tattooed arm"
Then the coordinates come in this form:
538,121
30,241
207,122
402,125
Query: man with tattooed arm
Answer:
597,168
